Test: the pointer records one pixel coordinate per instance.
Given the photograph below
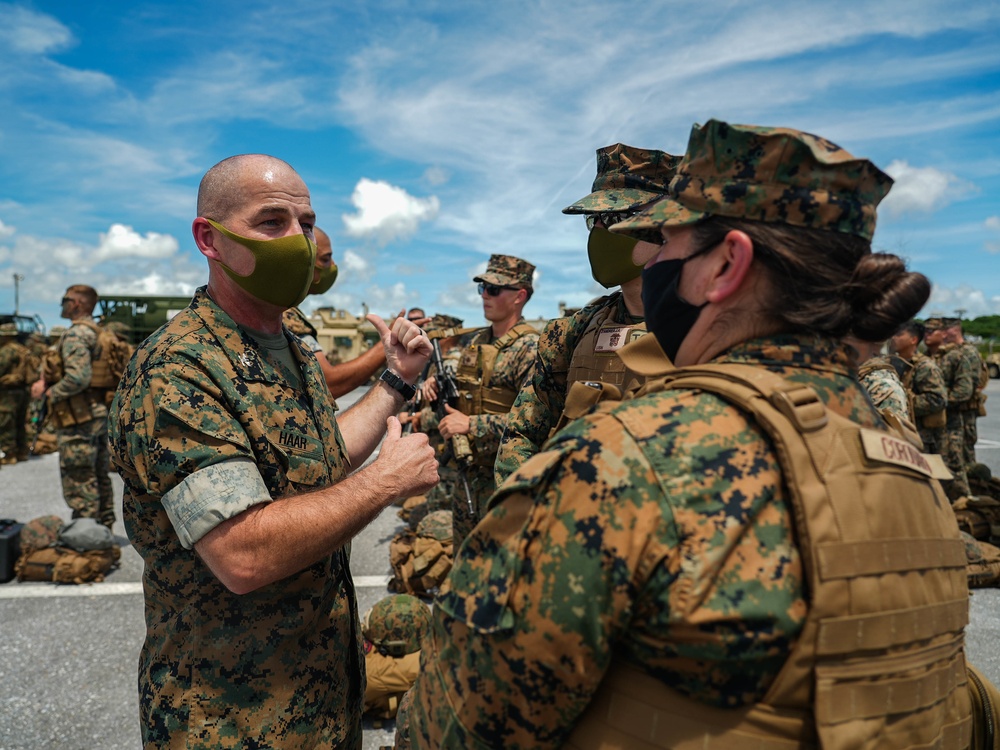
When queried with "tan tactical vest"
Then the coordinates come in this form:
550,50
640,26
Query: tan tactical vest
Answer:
475,374
595,357
880,661
102,376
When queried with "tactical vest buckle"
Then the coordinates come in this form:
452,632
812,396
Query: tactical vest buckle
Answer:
802,406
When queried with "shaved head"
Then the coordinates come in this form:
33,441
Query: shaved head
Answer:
221,190
324,249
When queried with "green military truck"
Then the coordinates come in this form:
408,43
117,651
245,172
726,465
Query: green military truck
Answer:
143,314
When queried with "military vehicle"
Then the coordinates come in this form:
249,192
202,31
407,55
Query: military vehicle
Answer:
342,335
26,324
993,364
143,314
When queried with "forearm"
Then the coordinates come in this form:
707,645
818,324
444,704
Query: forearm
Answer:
527,427
74,381
961,390
343,378
363,425
271,541
930,402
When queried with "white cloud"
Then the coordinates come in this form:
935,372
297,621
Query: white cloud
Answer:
920,189
973,302
121,241
386,212
993,222
6,230
32,33
354,267
436,176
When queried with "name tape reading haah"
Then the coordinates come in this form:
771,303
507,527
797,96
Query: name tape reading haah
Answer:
878,446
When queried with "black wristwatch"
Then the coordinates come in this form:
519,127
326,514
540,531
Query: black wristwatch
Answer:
397,383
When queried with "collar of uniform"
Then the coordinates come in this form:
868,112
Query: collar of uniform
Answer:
812,352
239,347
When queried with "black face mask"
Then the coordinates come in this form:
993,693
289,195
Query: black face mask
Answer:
668,316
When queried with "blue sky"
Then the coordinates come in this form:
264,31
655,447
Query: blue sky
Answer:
433,134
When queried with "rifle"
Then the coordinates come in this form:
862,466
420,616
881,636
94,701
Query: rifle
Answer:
458,447
39,422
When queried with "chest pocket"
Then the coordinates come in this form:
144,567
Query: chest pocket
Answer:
301,457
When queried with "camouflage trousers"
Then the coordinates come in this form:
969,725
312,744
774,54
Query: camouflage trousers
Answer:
13,414
481,486
933,439
970,434
84,463
953,453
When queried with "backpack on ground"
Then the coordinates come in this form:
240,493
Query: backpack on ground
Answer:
58,552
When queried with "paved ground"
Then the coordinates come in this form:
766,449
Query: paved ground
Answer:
68,654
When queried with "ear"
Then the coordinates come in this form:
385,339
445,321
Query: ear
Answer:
204,238
732,266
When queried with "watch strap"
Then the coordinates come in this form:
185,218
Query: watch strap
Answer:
395,382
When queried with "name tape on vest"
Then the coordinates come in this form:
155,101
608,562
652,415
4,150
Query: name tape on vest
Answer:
888,449
612,338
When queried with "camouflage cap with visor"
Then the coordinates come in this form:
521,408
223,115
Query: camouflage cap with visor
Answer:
773,175
506,270
939,323
627,177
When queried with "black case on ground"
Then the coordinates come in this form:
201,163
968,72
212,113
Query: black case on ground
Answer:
10,547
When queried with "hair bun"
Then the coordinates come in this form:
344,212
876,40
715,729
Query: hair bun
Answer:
883,295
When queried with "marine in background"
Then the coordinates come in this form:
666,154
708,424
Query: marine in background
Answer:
960,375
924,386
343,377
393,630
492,366
584,347
75,380
18,370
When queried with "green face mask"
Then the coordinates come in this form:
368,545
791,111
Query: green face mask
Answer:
326,278
611,257
283,268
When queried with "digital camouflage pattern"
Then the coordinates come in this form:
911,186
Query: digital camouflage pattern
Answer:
971,360
776,175
879,378
279,667
400,619
542,399
511,369
421,559
929,397
627,177
84,461
960,378
654,530
15,371
506,270
40,532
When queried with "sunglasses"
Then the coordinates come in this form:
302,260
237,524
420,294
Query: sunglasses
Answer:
493,289
609,218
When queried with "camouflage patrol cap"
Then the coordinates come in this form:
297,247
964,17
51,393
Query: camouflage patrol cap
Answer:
8,329
441,322
506,270
939,323
397,624
773,175
436,525
627,177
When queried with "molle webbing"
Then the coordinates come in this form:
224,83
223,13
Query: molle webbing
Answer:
880,659
476,380
587,364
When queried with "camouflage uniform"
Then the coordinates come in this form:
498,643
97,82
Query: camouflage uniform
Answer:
295,321
970,411
657,533
15,372
84,461
551,583
487,416
960,379
879,378
279,667
627,177
929,397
